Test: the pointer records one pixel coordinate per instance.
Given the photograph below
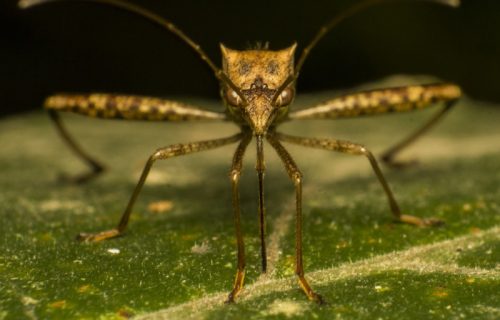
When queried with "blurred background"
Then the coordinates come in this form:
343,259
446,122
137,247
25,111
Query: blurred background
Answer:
83,47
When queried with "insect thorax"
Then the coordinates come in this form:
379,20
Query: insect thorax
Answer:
258,74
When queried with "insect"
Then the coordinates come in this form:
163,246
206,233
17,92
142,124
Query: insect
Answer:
257,87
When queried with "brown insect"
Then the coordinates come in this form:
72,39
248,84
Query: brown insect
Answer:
257,88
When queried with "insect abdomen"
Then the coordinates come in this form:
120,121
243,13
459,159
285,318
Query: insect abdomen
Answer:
109,106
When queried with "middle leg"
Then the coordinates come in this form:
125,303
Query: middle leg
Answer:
160,154
357,149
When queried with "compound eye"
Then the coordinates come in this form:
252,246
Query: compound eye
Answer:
285,97
233,98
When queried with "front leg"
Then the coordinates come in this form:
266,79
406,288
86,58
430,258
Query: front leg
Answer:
357,149
235,179
383,101
296,177
160,154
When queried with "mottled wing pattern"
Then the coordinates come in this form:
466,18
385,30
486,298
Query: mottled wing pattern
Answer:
112,106
380,101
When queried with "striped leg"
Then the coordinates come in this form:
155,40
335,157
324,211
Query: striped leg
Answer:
160,154
109,106
386,101
296,177
356,149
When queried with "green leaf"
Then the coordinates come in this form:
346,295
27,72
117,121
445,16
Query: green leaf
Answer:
179,263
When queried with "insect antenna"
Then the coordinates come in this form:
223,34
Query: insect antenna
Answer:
350,12
333,23
158,20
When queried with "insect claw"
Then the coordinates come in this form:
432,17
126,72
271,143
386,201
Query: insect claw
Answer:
310,293
230,299
319,299
96,237
433,222
421,222
84,237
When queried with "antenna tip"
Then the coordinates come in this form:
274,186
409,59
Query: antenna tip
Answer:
451,3
24,4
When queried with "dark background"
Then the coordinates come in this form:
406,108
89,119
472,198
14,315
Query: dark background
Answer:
82,47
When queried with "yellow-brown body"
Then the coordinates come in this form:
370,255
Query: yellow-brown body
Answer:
257,88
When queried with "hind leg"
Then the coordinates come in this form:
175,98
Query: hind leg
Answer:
95,167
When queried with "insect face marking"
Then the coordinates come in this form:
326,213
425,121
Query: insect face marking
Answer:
244,68
272,67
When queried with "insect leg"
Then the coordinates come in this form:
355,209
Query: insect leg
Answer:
357,149
388,157
235,179
95,167
296,177
113,106
160,154
382,101
128,107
